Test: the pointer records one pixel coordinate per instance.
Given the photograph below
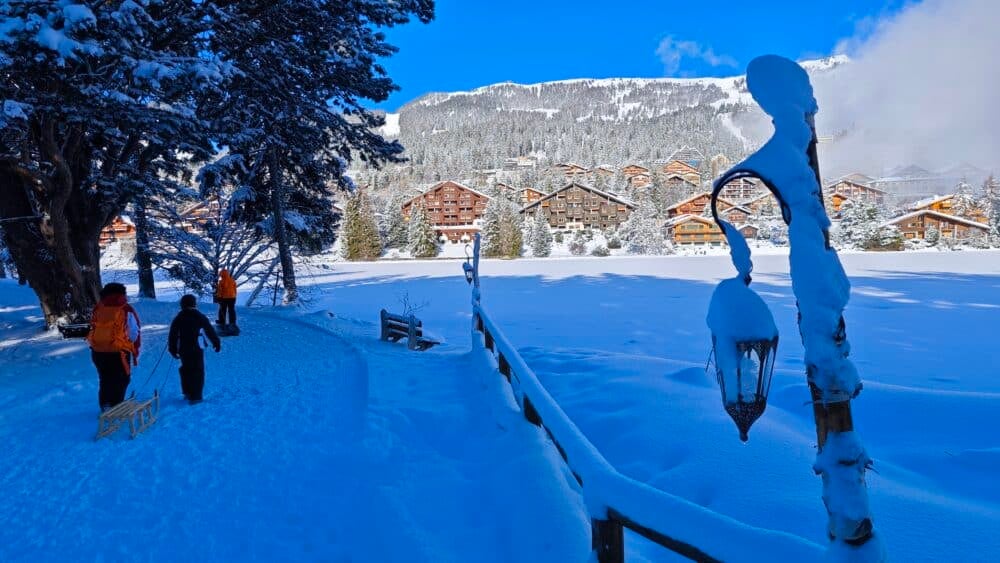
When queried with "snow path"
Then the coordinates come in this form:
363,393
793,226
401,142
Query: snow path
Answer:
220,480
315,441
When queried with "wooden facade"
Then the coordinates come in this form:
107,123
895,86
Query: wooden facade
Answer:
683,169
736,214
640,180
572,170
579,206
740,189
527,196
455,210
696,204
915,225
602,170
764,205
835,204
678,184
856,191
120,228
949,205
634,169
694,229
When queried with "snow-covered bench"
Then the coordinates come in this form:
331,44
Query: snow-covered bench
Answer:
397,327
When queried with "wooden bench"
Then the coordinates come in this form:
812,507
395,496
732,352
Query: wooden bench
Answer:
396,327
140,415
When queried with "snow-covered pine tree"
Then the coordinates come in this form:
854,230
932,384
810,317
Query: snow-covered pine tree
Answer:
201,234
100,101
393,226
862,226
991,200
641,233
295,113
422,238
502,237
528,231
360,238
541,237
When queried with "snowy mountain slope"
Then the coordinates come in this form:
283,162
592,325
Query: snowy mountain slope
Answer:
614,120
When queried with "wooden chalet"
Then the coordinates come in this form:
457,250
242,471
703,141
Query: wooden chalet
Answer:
455,210
740,189
915,225
856,191
735,214
119,229
948,204
640,180
678,184
579,206
696,205
764,205
527,196
694,229
835,204
682,169
634,170
602,170
572,170
506,190
750,232
859,178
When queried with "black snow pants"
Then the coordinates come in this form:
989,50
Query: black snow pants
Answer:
227,306
192,374
113,376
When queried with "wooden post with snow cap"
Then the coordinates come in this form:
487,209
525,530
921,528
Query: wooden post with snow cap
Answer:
788,165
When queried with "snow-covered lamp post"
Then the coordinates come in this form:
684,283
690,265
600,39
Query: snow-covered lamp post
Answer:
471,269
787,164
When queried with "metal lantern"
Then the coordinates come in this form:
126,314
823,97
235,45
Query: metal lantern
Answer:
746,381
470,272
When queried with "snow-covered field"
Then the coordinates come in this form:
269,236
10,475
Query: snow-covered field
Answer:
318,442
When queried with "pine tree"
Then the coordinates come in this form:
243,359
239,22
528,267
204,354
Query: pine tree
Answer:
641,232
422,238
393,227
360,234
105,111
991,198
295,112
502,236
541,238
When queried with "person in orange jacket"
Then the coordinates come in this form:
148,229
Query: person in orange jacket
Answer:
114,340
225,295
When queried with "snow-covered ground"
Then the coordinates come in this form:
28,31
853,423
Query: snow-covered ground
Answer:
318,442
621,342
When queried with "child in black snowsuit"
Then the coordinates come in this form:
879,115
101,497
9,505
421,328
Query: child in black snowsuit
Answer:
187,334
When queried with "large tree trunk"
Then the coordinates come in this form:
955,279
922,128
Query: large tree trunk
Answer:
280,232
55,248
147,285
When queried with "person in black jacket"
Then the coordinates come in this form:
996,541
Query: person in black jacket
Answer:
187,337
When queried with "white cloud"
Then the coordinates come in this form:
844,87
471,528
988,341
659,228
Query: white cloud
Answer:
922,89
671,51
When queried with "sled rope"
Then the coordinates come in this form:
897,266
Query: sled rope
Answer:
151,372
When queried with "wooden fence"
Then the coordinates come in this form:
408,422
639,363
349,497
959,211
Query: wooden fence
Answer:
616,502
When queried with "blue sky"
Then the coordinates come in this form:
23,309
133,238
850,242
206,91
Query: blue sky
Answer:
472,43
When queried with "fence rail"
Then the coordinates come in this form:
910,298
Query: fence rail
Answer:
616,502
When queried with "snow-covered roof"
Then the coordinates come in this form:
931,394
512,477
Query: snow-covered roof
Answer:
702,194
929,201
438,185
608,195
937,215
687,155
847,180
688,217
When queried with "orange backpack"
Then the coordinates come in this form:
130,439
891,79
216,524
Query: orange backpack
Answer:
109,330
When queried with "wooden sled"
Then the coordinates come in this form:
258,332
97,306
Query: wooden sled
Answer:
74,330
140,415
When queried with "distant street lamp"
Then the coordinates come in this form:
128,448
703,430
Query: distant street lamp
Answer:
743,331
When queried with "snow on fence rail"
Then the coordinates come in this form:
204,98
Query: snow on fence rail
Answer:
614,501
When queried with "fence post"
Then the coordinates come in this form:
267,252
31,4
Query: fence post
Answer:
384,333
503,366
608,540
